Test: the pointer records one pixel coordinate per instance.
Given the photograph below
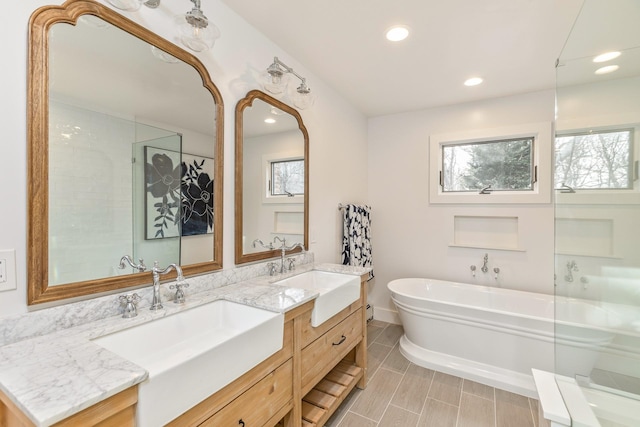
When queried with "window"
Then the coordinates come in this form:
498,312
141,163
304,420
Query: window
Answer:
490,166
502,165
287,178
594,160
283,176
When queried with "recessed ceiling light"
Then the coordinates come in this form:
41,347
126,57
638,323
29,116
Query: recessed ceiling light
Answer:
607,56
607,69
397,33
270,120
473,81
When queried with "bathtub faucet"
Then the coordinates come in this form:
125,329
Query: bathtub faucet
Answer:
571,267
484,266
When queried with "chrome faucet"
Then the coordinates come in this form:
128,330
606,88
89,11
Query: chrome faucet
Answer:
284,248
140,266
283,251
485,261
156,304
571,267
269,246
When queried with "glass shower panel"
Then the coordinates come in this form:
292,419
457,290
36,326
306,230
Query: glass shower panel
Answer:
597,231
157,171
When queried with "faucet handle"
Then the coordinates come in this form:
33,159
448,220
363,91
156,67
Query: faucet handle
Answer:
271,266
130,303
291,264
179,296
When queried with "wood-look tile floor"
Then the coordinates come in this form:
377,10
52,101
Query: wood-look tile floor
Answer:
400,393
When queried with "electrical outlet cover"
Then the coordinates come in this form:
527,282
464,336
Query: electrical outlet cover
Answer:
7,270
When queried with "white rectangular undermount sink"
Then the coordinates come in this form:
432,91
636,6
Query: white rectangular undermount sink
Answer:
337,291
194,353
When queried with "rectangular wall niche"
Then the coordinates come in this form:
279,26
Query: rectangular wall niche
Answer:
584,236
486,232
288,222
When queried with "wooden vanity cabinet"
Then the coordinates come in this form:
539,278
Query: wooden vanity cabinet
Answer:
333,360
323,354
115,411
300,385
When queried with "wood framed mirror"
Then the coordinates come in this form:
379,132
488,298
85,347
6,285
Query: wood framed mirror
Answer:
271,179
125,154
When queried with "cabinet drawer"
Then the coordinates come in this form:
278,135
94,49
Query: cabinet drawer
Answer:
310,334
259,403
318,358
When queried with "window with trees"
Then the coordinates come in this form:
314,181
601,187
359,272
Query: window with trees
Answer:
287,178
502,165
594,160
494,165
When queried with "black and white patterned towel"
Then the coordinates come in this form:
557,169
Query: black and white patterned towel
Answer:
356,237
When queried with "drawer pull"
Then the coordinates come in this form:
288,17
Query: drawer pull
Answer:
341,341
241,423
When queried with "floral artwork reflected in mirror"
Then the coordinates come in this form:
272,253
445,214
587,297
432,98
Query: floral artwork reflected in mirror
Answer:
197,195
179,194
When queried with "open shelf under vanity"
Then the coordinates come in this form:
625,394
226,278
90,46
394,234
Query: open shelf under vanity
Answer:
323,400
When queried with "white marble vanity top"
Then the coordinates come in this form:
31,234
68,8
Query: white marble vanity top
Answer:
53,376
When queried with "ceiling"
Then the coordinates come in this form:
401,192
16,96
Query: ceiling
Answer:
135,81
512,44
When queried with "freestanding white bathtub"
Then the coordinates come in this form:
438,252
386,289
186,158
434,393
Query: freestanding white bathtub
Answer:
495,336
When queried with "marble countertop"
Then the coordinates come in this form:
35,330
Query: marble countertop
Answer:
54,376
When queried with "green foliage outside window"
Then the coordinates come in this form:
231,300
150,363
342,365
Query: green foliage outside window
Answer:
502,165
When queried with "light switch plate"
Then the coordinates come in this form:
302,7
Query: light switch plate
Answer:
7,270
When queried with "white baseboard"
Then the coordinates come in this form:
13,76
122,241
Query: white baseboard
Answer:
385,315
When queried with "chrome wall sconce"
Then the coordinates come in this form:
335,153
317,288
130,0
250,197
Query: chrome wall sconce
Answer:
276,81
195,30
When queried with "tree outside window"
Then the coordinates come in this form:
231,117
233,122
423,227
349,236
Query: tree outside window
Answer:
502,165
287,178
594,160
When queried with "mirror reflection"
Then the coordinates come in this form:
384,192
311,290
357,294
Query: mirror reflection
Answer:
271,172
131,137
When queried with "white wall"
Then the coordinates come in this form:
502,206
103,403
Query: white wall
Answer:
260,219
411,237
337,131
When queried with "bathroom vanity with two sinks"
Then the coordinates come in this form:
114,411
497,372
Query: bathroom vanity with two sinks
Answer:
267,351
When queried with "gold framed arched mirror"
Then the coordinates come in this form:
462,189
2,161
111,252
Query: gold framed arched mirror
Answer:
272,177
125,154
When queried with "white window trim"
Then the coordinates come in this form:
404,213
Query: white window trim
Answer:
542,145
267,197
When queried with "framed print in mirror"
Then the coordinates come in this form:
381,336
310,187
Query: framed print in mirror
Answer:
178,194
